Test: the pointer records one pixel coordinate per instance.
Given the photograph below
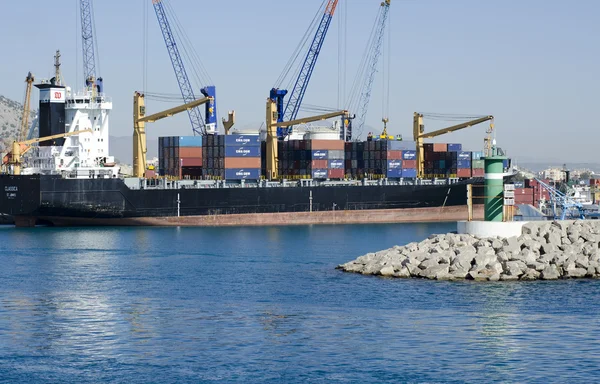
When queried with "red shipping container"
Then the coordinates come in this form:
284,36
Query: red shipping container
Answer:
394,155
439,147
190,161
524,191
190,151
150,174
463,172
478,172
524,199
336,173
409,163
319,164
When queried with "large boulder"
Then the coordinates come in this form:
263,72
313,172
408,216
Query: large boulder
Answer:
438,272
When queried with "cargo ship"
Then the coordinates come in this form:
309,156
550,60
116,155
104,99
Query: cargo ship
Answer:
221,179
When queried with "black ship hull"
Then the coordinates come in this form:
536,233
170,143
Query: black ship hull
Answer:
35,199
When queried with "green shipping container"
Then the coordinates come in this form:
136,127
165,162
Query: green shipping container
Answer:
478,164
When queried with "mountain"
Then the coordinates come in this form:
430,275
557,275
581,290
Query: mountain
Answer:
10,121
121,147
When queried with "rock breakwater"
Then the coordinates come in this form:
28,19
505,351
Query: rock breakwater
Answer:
545,250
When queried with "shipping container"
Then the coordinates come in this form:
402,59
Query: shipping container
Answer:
506,163
463,155
239,140
519,184
241,162
394,173
463,172
335,154
409,173
464,164
409,155
190,161
242,151
241,174
394,164
190,141
440,147
478,164
320,173
319,164
336,173
409,163
336,164
326,144
320,154
190,151
454,147
478,172
477,155
393,155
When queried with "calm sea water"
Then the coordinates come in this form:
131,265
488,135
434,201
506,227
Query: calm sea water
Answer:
262,305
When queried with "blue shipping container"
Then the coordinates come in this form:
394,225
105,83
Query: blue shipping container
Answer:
463,164
336,164
336,154
394,164
506,163
477,155
190,141
464,155
237,140
320,173
409,173
454,147
239,174
242,151
401,145
320,154
396,172
409,155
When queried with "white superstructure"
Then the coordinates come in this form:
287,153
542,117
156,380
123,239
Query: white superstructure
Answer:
81,156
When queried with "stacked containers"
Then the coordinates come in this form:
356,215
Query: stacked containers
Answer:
232,157
439,162
381,159
463,164
180,156
477,164
316,159
190,157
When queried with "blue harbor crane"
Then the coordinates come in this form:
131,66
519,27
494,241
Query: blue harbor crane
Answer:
89,46
199,126
366,73
563,206
290,111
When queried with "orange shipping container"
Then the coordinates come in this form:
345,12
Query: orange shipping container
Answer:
190,151
319,164
394,155
327,144
437,147
242,162
463,172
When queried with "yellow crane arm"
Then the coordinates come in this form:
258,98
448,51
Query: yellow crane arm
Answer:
430,135
26,106
173,111
312,119
59,136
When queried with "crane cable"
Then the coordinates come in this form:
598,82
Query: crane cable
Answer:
299,49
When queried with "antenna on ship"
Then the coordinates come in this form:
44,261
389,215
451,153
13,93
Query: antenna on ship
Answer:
57,74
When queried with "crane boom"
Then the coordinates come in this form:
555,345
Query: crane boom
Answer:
26,107
185,86
295,100
419,134
373,46
87,39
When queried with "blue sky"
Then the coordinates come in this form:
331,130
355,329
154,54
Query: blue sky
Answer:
530,63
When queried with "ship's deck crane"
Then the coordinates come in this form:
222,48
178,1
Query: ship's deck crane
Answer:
419,134
569,208
366,74
272,138
19,148
139,127
290,112
26,107
89,47
200,127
